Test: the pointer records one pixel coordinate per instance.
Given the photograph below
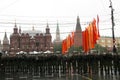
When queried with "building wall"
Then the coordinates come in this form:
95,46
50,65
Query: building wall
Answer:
26,42
14,42
5,48
107,41
78,39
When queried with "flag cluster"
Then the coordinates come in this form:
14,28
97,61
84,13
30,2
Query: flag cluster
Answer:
67,43
90,36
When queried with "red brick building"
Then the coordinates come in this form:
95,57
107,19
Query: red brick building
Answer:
78,34
30,40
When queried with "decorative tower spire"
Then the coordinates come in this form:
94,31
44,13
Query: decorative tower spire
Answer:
5,40
5,43
78,26
57,32
47,24
47,29
15,24
15,28
33,28
5,37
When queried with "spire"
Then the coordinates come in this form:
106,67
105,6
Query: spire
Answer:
78,32
33,28
5,36
5,45
47,25
5,40
15,24
15,28
57,32
47,29
78,26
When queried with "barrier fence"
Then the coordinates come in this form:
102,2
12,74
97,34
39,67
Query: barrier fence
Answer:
61,64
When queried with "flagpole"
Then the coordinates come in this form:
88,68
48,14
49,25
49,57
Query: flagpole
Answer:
113,24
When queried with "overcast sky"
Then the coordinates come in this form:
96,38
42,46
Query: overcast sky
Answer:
37,13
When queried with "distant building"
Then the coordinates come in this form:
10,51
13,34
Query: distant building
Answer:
5,46
78,34
57,40
30,40
108,42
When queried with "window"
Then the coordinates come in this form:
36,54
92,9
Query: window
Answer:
109,41
109,45
27,46
23,47
119,41
102,40
32,46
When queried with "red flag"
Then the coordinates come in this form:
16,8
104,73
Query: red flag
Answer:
72,38
64,46
91,36
83,41
95,32
68,42
86,43
98,26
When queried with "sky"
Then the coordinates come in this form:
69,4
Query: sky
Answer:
37,13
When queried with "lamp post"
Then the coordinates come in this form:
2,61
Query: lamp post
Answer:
113,24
